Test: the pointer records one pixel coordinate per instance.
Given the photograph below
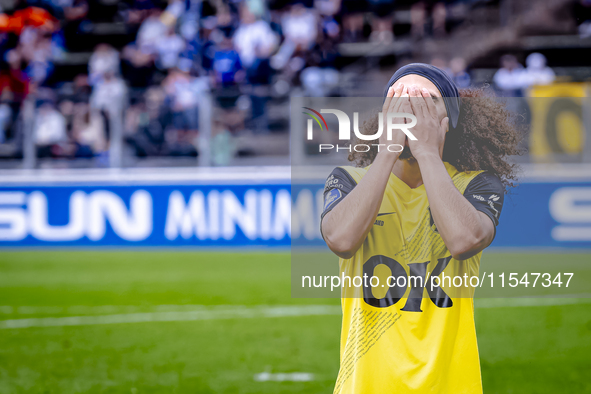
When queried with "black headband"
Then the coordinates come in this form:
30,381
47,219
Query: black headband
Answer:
447,87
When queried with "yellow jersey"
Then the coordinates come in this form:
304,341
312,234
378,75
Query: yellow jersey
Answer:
412,338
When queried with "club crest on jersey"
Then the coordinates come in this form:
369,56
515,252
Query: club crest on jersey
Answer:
331,197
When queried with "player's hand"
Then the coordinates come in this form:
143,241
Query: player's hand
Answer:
429,130
394,103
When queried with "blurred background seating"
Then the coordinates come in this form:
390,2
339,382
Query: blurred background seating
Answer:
125,83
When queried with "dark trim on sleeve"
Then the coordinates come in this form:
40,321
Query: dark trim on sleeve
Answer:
338,184
486,193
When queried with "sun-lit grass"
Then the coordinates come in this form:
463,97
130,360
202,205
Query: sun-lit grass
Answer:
523,350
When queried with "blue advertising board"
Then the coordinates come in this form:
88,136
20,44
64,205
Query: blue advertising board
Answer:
243,214
542,214
145,215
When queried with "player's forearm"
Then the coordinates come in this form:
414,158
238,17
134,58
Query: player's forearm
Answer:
347,225
459,223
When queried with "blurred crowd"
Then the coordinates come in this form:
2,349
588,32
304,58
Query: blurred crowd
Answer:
172,52
512,79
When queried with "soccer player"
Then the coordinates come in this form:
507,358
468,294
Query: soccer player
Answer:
427,210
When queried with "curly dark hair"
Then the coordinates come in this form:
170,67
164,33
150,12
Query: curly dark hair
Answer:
486,135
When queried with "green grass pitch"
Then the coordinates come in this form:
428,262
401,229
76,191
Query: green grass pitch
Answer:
537,349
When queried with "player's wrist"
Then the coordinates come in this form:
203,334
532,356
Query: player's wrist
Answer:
426,154
389,158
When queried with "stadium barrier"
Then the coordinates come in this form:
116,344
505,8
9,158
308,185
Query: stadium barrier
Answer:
246,207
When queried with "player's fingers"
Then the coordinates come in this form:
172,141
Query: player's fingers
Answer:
388,99
397,101
398,90
393,92
417,102
429,102
408,108
395,98
403,108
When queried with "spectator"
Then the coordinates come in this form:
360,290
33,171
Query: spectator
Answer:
300,26
255,41
328,8
139,11
537,73
109,94
38,49
82,89
151,31
173,11
330,28
253,38
419,15
382,22
75,14
182,91
352,16
228,73
137,66
510,78
259,76
15,79
319,82
146,124
510,81
582,15
457,70
300,30
88,131
49,130
226,65
441,63
66,108
14,88
225,22
76,10
169,48
5,120
104,60
28,17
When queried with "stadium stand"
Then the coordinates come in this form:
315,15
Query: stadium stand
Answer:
97,83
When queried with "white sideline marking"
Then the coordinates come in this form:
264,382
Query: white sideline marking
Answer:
104,309
486,303
163,313
284,377
203,314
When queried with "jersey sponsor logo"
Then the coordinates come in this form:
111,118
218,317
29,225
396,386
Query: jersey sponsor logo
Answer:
491,202
332,183
379,223
386,213
492,206
417,279
332,197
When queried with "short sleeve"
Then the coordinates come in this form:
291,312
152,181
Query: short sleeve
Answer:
486,193
337,186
